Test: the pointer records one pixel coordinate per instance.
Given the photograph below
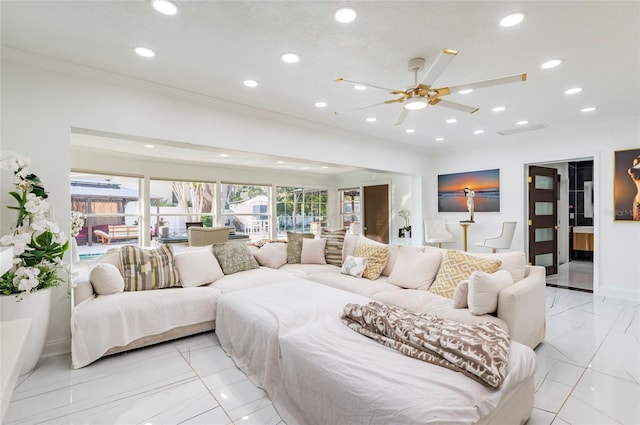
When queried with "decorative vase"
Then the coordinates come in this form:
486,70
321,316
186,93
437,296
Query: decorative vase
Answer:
75,255
36,306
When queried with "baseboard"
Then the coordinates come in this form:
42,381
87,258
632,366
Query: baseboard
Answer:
54,348
626,294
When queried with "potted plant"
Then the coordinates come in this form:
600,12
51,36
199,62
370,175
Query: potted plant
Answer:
407,227
38,248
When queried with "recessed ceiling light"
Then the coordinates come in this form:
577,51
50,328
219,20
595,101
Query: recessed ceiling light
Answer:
523,122
478,131
149,146
588,109
224,155
324,167
290,58
551,63
345,15
498,109
410,130
280,162
250,83
165,7
573,90
439,139
372,119
513,19
451,121
465,91
144,52
359,87
320,104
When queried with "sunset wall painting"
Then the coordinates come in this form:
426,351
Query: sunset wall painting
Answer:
485,184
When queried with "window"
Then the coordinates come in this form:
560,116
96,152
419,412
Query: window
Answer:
176,203
300,210
111,208
350,207
245,207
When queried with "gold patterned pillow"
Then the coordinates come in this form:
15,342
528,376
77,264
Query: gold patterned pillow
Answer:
376,255
458,267
144,269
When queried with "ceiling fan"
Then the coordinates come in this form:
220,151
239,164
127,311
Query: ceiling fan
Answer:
421,93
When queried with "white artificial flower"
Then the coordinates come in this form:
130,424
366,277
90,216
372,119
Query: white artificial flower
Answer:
18,240
13,161
26,278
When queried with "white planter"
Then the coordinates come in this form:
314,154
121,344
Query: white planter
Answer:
73,247
36,306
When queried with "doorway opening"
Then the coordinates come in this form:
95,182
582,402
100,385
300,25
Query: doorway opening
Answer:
574,242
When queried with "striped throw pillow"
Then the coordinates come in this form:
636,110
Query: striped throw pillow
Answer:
335,242
145,269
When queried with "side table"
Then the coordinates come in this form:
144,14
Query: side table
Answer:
465,225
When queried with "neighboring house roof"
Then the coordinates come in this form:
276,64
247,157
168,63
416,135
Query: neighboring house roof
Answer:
82,188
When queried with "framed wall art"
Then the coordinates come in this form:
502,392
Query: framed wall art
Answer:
485,184
626,185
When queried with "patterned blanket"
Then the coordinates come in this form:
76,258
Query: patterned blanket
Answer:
480,351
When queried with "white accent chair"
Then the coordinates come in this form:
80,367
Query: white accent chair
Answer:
504,240
436,233
202,236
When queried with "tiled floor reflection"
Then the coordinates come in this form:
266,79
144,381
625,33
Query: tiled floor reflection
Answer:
577,274
588,372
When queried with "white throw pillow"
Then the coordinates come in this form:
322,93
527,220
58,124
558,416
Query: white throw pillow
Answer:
272,255
515,262
313,251
484,289
414,269
197,267
460,295
112,256
106,279
354,266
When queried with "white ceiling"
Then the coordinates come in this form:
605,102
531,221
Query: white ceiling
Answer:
210,47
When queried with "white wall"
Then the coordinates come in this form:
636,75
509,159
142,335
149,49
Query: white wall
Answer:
617,243
40,107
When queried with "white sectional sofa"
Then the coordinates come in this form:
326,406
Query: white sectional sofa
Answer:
106,320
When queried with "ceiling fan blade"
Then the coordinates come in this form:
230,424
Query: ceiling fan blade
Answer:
453,105
370,105
488,83
398,100
339,79
402,116
439,65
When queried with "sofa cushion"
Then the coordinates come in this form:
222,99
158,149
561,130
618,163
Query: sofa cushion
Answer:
197,267
377,255
354,266
106,279
302,271
414,269
294,246
351,284
457,267
251,279
349,246
112,256
234,257
272,255
483,291
313,251
335,243
515,262
144,269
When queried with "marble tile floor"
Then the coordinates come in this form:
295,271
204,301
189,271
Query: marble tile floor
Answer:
576,274
588,372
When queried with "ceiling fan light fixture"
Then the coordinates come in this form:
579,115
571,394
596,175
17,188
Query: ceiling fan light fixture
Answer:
415,103
344,15
512,19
